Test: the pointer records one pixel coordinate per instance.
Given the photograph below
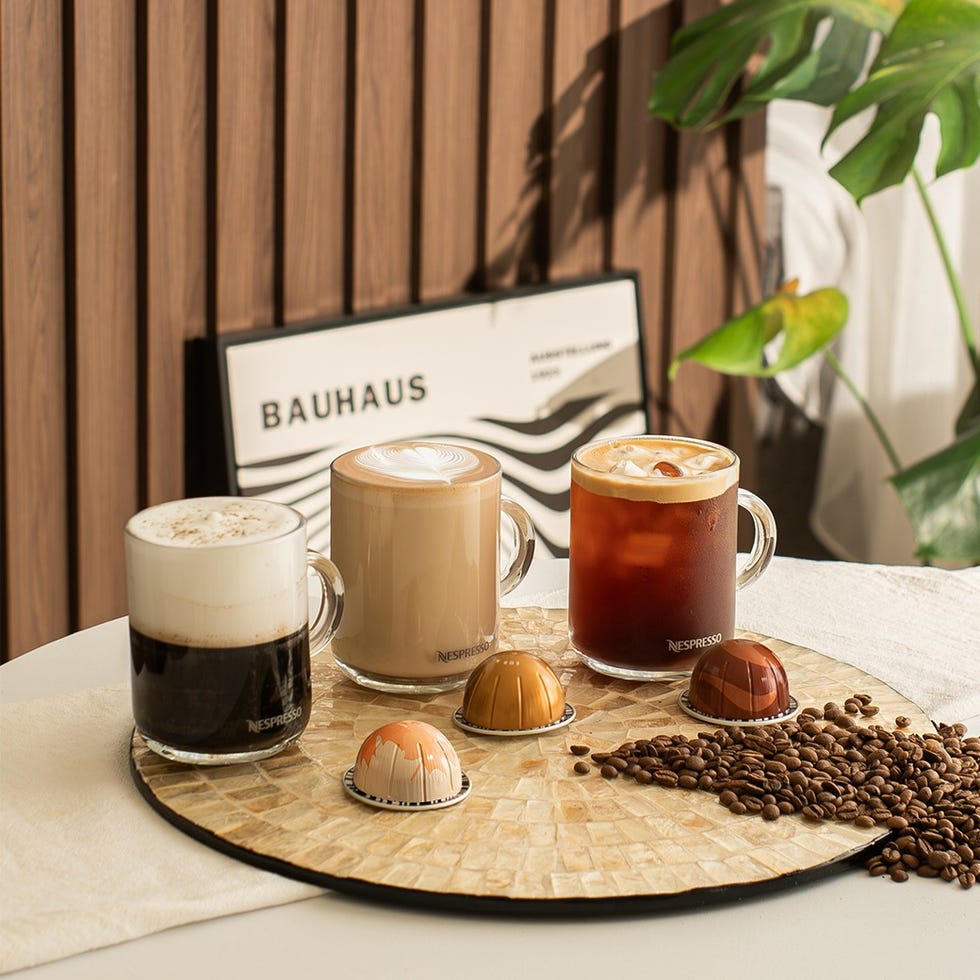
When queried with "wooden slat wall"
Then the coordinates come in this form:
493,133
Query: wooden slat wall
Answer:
190,167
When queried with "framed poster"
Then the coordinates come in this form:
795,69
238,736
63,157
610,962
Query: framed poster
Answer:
527,376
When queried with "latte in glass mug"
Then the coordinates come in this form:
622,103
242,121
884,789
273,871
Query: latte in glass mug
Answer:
415,529
219,636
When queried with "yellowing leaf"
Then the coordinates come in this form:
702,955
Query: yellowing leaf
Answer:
805,323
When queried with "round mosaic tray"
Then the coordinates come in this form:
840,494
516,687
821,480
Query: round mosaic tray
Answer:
533,836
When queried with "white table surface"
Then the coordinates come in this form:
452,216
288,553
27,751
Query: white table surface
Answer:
849,922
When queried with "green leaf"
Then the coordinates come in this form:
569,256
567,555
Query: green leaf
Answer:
791,57
930,63
969,417
806,323
941,495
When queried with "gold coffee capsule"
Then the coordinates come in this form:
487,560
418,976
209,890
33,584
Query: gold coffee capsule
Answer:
513,692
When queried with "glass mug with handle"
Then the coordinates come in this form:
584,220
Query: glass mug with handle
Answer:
652,553
415,528
220,638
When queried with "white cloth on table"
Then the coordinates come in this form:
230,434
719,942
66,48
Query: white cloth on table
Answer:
84,862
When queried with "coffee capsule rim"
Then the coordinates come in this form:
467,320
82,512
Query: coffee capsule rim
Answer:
567,717
382,804
792,710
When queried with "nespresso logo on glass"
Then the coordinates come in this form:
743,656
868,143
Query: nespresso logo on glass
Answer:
264,724
446,656
681,646
335,402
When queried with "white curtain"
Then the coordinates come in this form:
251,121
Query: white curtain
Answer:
902,345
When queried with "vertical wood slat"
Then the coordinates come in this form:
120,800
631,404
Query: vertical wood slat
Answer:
640,192
106,370
176,228
382,154
314,106
515,236
245,169
450,148
35,497
748,151
579,126
701,250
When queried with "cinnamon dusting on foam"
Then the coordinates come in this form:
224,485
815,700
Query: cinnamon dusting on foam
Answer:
660,469
200,522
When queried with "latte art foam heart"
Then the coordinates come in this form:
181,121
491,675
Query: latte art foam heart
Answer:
422,463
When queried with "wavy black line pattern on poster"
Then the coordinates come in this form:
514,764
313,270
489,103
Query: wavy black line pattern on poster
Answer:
549,423
260,490
555,458
283,460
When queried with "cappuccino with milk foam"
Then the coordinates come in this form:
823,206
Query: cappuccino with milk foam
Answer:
218,608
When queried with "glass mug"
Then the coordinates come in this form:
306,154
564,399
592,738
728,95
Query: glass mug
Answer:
415,528
652,553
220,638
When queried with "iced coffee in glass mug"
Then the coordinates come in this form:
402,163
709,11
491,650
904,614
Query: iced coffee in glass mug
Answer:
415,529
653,553
219,629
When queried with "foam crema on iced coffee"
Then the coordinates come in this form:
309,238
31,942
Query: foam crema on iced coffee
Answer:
674,470
216,572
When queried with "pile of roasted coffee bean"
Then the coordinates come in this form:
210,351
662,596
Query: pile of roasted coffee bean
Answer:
832,764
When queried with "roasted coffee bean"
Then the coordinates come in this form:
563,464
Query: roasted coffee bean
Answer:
578,749
924,788
582,768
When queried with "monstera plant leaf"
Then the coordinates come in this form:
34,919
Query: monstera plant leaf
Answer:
805,323
941,496
930,63
797,58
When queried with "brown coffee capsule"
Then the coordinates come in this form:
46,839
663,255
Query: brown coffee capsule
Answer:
739,682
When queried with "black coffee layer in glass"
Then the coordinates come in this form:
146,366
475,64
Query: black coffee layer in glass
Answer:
221,699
